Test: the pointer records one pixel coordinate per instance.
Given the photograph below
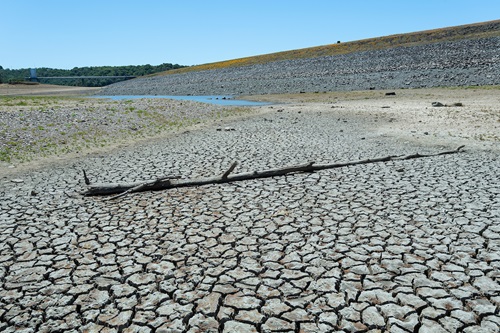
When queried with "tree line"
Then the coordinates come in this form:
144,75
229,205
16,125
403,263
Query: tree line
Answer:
19,75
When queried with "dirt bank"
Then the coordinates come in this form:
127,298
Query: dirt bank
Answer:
43,90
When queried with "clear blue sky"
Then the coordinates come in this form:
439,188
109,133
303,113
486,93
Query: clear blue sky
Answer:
77,33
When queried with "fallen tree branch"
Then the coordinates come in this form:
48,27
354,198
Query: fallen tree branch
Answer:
231,168
174,182
85,178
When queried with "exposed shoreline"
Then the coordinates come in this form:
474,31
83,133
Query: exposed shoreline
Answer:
39,130
44,90
409,115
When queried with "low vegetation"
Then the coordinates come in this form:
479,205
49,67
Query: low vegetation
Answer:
20,75
38,127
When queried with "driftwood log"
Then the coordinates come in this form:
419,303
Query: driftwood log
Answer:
174,182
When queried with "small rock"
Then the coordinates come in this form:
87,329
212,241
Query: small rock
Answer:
274,324
242,302
372,317
235,326
437,104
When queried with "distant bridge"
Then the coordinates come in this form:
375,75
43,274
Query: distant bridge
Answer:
34,78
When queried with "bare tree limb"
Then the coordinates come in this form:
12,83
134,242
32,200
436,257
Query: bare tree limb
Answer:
226,177
231,168
85,178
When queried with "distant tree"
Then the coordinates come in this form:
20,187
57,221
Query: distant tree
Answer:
17,75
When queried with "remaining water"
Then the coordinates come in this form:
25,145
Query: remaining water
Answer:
215,99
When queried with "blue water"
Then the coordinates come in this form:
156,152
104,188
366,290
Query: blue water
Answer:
215,99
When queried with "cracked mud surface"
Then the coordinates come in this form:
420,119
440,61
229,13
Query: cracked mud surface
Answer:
404,246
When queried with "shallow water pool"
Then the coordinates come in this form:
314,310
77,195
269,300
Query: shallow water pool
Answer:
213,99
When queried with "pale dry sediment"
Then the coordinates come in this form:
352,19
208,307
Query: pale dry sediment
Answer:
32,128
35,89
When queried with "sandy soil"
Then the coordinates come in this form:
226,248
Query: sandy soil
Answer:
43,89
410,115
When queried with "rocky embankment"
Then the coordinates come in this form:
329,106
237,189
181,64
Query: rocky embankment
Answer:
455,63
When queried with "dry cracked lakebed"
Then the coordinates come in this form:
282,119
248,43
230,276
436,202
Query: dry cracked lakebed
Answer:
402,246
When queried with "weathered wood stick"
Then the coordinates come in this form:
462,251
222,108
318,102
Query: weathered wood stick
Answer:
85,178
100,189
231,168
226,177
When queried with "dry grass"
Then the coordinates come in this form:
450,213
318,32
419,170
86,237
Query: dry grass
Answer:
43,127
409,39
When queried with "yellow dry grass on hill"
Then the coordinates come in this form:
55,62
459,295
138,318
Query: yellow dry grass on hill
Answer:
409,39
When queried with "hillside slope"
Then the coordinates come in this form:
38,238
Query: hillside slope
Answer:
470,31
457,56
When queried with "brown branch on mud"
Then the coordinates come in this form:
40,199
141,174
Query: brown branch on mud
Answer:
165,183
